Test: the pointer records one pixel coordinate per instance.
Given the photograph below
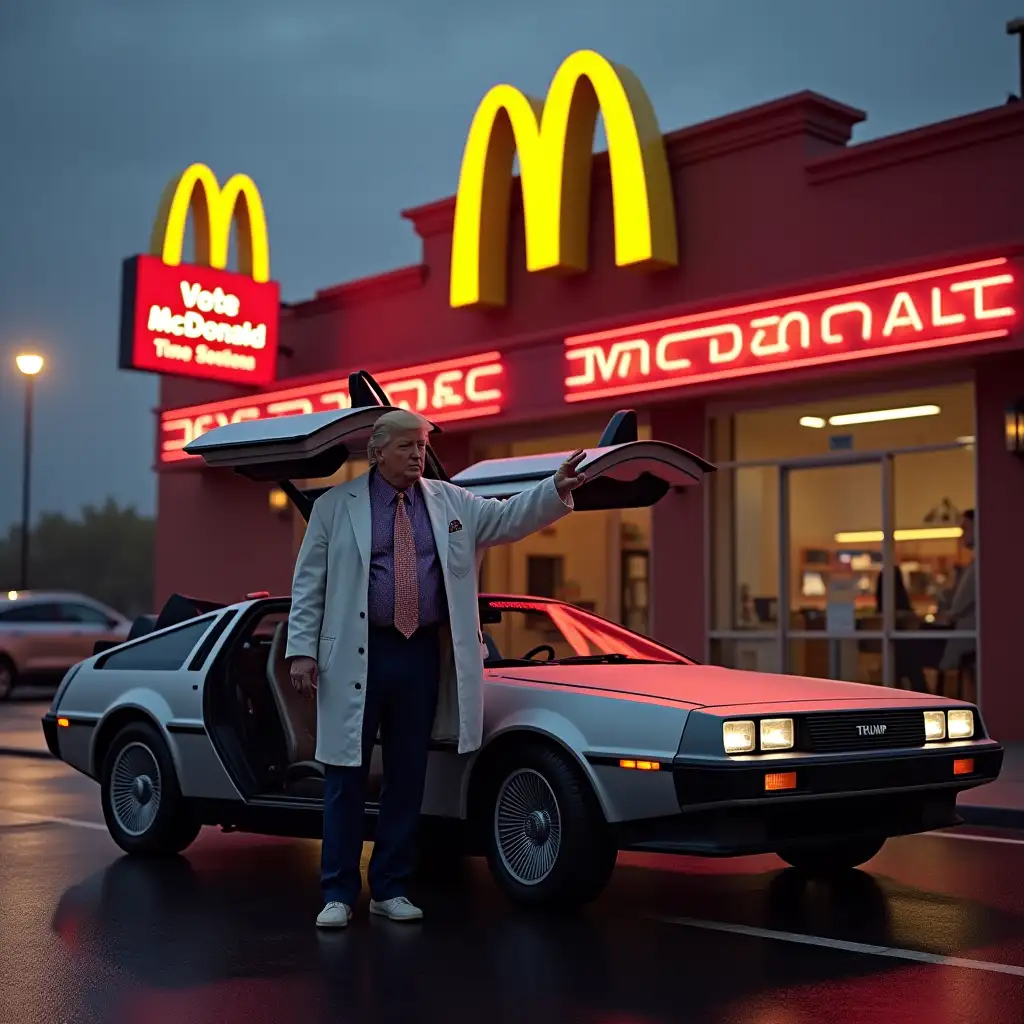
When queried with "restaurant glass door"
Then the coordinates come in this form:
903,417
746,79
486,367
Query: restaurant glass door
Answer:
831,580
818,570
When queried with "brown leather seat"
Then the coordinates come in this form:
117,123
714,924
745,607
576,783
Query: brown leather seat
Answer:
298,713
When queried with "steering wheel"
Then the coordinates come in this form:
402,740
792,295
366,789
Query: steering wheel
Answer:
528,656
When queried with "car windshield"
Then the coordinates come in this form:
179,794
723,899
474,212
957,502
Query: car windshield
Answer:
543,631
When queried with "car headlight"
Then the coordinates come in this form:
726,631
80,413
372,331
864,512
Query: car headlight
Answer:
934,726
776,733
961,724
739,737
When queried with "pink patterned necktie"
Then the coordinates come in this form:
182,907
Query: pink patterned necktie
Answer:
407,590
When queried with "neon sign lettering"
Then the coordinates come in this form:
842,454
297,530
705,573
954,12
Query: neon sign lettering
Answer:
451,390
939,308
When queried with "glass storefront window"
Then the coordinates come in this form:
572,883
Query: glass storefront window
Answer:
598,562
746,551
799,511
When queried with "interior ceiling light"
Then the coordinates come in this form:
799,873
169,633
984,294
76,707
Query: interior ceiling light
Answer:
911,412
920,533
850,419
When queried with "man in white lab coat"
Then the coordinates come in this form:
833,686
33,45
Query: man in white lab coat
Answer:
384,629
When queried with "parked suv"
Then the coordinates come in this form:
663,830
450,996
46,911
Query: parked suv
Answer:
42,634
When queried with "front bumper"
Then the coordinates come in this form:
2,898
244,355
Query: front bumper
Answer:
50,733
724,809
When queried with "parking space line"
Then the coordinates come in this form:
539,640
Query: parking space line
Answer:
977,839
48,819
842,945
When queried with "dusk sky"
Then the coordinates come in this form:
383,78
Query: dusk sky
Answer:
344,114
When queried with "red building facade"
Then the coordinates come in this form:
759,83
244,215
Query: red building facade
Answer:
816,279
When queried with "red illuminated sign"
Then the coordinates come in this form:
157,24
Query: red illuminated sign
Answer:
952,306
455,389
195,321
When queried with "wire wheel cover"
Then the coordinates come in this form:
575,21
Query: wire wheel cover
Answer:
135,789
527,826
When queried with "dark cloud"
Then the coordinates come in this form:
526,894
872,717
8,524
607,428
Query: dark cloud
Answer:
344,114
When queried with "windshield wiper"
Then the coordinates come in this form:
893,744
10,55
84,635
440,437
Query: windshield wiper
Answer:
603,659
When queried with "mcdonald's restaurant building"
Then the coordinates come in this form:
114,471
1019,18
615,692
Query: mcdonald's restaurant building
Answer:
834,325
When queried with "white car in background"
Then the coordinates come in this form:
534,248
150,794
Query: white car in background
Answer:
44,633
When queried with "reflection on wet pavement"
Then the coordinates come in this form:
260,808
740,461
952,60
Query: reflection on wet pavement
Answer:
226,934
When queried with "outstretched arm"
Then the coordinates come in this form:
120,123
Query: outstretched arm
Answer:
503,522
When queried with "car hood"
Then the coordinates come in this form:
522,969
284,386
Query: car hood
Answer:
710,686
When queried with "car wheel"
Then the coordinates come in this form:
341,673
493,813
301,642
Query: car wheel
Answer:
142,803
8,677
831,858
548,844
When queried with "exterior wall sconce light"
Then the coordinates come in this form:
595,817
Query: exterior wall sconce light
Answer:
278,501
1015,427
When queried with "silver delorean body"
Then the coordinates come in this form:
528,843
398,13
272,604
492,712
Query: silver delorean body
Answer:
596,739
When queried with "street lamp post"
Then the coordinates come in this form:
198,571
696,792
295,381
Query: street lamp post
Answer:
30,366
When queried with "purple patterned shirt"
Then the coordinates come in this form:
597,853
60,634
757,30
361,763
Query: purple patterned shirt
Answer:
433,600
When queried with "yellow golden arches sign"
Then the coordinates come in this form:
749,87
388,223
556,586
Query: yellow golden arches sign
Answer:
554,140
214,209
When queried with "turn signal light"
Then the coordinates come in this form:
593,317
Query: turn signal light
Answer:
963,766
775,781
643,766
63,723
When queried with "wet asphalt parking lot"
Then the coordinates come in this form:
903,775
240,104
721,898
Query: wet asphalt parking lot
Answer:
933,930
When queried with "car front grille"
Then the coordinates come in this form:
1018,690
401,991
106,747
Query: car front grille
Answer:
831,733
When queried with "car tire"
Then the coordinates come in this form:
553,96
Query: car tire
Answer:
142,802
8,677
822,859
547,842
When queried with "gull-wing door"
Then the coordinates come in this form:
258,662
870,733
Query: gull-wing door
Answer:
305,446
622,472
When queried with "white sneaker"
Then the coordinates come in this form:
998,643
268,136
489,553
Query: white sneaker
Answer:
334,915
397,909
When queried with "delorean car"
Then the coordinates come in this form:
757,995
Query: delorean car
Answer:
596,738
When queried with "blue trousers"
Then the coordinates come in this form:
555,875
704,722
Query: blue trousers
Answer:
401,699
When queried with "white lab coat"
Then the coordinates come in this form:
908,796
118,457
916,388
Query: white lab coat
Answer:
328,619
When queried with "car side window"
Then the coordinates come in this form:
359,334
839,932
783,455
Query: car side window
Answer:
85,614
36,613
165,652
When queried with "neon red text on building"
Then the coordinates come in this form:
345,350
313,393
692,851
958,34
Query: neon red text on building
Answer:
445,391
952,306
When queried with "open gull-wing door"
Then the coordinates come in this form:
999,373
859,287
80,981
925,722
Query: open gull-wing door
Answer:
307,446
280,449
630,474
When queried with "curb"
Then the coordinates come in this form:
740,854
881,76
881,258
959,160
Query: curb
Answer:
25,752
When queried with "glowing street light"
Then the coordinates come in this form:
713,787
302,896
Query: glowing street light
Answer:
30,365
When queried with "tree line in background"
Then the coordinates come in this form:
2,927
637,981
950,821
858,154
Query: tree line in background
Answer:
106,553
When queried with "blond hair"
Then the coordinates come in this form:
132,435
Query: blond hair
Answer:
392,422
